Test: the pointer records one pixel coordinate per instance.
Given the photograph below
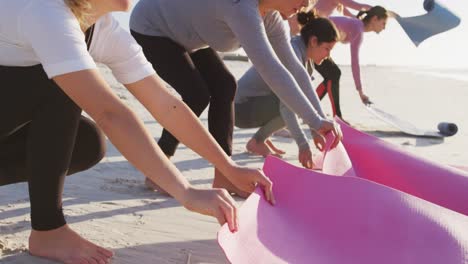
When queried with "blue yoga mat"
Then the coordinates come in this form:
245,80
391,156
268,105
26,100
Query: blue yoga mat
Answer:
438,19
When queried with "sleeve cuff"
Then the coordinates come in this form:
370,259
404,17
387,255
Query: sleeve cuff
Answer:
57,69
314,122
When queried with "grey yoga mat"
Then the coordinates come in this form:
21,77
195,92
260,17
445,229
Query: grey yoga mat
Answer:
438,19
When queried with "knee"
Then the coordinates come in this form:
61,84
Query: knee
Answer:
197,101
338,73
227,87
230,87
334,74
90,146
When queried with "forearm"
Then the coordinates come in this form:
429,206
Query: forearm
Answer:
89,90
177,118
292,123
355,67
348,13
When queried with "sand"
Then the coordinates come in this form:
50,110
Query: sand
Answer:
109,204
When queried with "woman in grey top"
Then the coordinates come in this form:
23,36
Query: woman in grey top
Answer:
318,37
180,38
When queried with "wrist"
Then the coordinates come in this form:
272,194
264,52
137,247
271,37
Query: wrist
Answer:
227,167
185,197
304,146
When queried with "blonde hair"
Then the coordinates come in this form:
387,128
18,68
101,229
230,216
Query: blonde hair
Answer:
81,9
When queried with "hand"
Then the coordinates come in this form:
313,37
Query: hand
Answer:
213,202
246,179
319,140
330,126
305,158
364,98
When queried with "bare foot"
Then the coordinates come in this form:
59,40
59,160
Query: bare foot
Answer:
66,246
153,186
259,148
283,133
220,181
272,147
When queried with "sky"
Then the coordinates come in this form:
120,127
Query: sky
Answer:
392,47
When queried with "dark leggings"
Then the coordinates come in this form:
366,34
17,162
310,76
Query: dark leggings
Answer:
331,74
43,137
260,111
201,78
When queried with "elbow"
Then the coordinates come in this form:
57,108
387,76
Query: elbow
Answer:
112,114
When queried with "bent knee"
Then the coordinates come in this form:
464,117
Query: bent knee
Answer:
90,146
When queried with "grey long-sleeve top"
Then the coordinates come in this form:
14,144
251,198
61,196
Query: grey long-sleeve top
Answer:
226,25
251,84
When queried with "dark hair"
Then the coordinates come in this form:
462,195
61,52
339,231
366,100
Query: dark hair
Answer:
377,11
313,25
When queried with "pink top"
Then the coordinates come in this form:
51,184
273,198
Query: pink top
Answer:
351,30
325,8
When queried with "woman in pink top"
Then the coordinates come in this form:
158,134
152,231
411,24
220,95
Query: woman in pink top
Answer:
325,8
351,31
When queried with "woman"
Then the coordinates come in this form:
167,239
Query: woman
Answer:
351,31
182,47
325,8
48,78
317,38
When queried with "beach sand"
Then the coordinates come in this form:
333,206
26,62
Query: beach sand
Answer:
109,204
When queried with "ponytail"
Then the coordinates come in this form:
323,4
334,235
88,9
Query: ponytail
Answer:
377,11
312,25
305,17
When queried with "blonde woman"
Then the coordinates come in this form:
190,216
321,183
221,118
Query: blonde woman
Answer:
48,51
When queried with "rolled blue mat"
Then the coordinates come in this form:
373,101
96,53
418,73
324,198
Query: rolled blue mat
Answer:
447,129
437,20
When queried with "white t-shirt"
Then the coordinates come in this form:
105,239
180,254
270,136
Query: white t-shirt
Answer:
46,32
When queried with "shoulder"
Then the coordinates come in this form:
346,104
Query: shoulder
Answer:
348,22
48,18
274,21
47,11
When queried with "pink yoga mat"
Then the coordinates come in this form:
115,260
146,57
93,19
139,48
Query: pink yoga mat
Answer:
322,218
384,163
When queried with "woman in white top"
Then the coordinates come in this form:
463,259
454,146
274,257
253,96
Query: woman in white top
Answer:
48,76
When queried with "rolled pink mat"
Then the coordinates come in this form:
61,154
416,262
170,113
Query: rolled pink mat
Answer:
381,162
326,219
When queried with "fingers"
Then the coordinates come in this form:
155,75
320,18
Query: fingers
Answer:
319,142
309,162
305,157
338,135
336,139
228,211
267,187
306,163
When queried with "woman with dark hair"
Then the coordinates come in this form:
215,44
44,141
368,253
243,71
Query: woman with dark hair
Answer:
351,31
181,37
257,105
48,74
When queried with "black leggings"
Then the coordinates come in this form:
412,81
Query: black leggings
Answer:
331,74
43,137
201,78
